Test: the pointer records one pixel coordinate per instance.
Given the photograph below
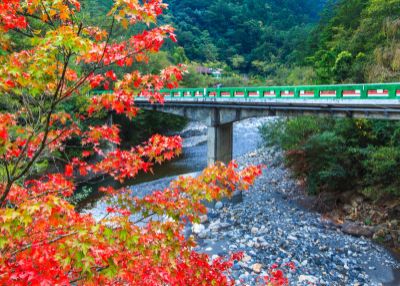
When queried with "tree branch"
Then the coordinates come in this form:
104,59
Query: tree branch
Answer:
43,144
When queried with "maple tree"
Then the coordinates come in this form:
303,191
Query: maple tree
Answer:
43,239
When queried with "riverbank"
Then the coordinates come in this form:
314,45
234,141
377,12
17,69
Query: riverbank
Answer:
270,227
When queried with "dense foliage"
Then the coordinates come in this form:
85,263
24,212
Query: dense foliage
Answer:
280,42
358,41
292,42
339,155
247,35
355,41
60,58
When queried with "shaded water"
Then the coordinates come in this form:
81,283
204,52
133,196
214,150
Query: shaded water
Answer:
246,138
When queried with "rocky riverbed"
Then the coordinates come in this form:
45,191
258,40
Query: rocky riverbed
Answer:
271,228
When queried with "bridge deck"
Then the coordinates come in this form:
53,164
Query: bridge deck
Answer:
359,100
344,91
378,100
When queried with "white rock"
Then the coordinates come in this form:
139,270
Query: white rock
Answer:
246,258
257,267
203,234
254,230
308,278
304,263
215,226
250,244
198,228
253,154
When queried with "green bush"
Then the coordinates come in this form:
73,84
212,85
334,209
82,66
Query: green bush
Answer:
290,134
326,161
272,133
340,154
382,165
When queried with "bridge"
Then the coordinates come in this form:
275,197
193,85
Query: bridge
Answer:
219,108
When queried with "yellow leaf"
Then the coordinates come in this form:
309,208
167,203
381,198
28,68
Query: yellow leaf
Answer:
44,17
52,12
124,23
64,15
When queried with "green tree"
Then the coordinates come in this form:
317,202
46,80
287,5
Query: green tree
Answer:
343,66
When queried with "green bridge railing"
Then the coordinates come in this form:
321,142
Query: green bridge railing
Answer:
344,91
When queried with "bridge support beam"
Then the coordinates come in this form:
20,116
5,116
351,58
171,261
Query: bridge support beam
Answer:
220,143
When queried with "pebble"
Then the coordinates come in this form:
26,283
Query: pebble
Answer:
246,258
308,278
203,218
198,228
269,227
254,230
256,267
203,234
219,205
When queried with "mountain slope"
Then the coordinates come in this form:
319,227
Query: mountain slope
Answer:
360,42
249,35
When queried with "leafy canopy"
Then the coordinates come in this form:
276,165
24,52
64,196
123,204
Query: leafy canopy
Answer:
50,55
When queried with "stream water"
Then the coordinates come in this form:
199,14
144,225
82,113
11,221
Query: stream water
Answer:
193,159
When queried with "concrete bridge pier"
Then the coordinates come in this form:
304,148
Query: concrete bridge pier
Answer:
220,143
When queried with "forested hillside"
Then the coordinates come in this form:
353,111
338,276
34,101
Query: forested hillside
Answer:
282,42
293,42
248,35
358,42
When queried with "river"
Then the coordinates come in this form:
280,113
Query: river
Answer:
193,159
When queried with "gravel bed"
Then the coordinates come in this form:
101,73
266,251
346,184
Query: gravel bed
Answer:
270,228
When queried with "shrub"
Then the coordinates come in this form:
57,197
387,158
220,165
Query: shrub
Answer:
382,165
340,154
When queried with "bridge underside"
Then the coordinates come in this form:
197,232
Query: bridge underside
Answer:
219,114
199,109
